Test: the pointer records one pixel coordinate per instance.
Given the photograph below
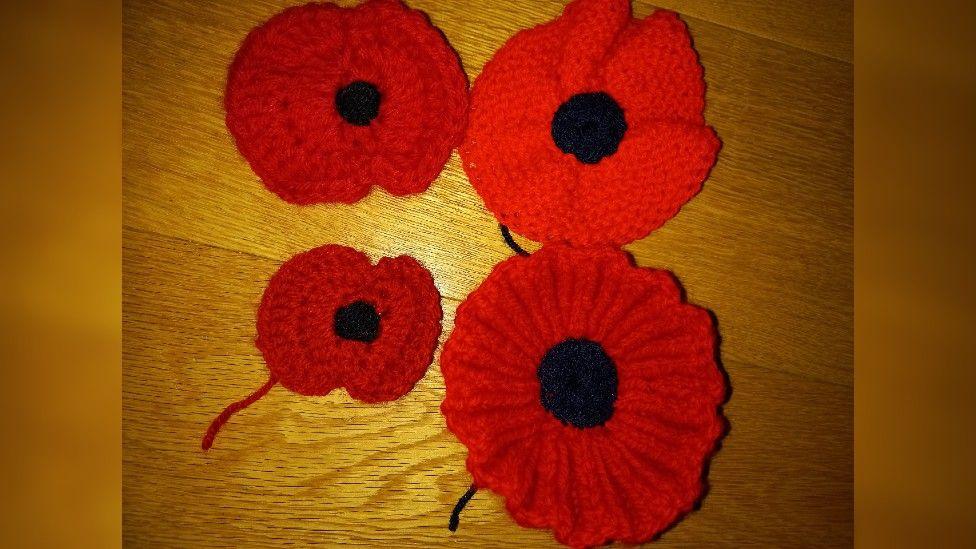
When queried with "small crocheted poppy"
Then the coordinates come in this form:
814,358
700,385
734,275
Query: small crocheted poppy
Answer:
589,128
325,102
329,319
587,393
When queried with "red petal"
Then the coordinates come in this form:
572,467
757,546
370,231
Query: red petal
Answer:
654,72
587,32
663,333
625,297
408,303
295,317
519,79
657,168
523,179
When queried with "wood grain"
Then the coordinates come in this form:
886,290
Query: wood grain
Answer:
767,245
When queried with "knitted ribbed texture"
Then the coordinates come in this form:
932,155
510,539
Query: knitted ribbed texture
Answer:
325,102
587,393
330,319
546,148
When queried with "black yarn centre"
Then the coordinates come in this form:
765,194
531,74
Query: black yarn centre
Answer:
357,321
589,126
579,383
358,103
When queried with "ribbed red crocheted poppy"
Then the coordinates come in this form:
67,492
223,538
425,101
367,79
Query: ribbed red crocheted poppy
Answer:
330,319
589,128
325,102
587,393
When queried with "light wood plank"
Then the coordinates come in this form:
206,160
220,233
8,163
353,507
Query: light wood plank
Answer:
824,27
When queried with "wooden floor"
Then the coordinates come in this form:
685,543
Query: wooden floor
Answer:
767,245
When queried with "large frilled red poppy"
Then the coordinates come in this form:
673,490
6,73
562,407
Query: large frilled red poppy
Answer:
589,128
330,319
325,102
587,393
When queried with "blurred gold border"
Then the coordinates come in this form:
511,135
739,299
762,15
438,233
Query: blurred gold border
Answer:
914,242
61,283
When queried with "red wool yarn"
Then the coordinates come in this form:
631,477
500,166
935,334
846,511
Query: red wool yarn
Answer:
587,392
330,319
325,102
589,129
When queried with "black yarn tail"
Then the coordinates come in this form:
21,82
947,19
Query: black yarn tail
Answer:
507,235
456,514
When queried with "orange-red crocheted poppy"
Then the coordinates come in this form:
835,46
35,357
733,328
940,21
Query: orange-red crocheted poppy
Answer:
587,393
325,102
330,319
589,128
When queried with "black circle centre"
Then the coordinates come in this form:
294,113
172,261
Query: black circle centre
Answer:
358,103
357,321
589,126
579,383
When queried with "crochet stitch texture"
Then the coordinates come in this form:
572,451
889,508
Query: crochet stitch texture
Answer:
330,319
325,102
297,324
589,129
592,459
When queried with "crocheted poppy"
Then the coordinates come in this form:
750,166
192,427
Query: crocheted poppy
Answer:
330,319
589,128
587,393
326,101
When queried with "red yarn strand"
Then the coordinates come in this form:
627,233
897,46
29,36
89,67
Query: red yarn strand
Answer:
233,409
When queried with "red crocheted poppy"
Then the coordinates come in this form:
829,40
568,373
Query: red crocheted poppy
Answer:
325,102
330,319
587,393
589,128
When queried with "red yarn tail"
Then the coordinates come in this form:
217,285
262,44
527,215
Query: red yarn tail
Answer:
233,409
